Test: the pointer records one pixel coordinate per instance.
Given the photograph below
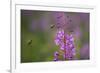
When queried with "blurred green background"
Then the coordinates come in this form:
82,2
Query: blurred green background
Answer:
37,38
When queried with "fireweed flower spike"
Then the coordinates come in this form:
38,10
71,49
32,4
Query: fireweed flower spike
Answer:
60,19
66,44
64,40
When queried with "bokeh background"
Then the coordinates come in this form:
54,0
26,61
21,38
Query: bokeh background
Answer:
37,35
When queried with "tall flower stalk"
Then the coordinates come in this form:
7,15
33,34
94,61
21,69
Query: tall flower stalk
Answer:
64,40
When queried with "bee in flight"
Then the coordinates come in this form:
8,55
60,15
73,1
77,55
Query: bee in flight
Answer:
52,26
29,42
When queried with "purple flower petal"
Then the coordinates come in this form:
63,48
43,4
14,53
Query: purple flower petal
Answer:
56,54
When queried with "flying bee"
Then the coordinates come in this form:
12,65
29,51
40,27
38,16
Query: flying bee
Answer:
52,26
29,42
71,31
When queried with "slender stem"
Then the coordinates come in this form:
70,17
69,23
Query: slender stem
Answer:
65,46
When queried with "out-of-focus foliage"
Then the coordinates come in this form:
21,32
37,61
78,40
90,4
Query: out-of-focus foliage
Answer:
38,34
